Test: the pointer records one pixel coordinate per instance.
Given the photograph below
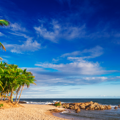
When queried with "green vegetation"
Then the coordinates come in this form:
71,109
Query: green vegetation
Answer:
57,104
13,80
1,105
6,23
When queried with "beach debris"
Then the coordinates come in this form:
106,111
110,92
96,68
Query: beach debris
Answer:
115,107
86,106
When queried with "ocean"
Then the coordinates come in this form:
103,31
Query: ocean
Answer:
83,115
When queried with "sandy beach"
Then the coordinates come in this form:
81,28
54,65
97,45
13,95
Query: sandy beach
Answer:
29,112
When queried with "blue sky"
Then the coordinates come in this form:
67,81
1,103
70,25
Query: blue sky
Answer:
71,46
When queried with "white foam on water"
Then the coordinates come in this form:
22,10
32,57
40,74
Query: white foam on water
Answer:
65,111
41,103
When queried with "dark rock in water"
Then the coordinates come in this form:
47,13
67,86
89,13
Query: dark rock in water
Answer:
77,110
115,108
22,102
118,106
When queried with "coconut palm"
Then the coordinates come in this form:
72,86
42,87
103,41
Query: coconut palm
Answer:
29,79
13,79
6,23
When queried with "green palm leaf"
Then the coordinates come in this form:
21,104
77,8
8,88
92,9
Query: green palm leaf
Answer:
1,45
4,22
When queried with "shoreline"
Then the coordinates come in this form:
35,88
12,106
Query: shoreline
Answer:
30,112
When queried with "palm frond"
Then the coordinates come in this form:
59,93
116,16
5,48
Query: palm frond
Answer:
1,45
4,22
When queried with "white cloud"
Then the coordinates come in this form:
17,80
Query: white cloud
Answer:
17,27
94,52
78,67
50,35
1,34
29,45
55,31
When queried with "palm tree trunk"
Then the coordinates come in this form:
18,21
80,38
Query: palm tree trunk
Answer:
17,93
11,95
20,94
1,95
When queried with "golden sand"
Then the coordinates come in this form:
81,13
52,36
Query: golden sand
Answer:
28,112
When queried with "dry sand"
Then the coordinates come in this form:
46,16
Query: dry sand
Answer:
29,112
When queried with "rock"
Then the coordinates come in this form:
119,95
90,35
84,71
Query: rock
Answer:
71,107
76,107
82,106
87,108
108,107
118,106
77,110
115,108
56,110
55,102
102,107
96,108
66,105
22,102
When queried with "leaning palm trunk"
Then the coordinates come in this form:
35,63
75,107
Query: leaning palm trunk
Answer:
17,93
20,94
11,95
1,96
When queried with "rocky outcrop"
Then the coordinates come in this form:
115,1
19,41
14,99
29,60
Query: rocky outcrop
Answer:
86,106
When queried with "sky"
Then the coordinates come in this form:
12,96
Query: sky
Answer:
72,47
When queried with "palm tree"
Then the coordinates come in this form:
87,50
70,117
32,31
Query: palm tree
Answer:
6,23
29,79
13,79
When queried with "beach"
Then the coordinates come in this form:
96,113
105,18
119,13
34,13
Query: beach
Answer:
29,112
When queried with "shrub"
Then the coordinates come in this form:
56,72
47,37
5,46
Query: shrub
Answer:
1,105
57,104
